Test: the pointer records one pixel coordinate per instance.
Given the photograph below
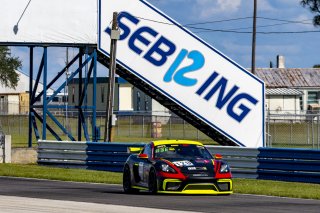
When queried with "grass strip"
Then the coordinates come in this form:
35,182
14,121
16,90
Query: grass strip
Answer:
53,173
277,188
242,186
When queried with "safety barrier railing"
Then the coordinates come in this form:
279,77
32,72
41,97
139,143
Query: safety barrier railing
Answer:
300,165
95,156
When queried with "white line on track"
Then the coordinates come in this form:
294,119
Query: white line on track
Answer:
13,204
288,198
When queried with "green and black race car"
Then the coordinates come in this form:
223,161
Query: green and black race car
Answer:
176,166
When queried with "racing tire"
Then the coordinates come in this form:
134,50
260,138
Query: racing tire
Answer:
126,181
153,183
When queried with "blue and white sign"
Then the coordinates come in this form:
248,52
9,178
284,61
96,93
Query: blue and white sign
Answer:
186,69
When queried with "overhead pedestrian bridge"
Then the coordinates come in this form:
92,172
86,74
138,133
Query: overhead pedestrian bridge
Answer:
154,53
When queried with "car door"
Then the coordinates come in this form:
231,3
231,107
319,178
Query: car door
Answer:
144,165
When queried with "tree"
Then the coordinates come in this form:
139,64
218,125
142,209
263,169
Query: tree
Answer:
316,66
8,67
314,6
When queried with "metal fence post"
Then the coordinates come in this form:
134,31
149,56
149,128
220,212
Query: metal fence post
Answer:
312,133
118,125
291,132
8,125
20,124
184,129
318,131
308,134
274,132
156,126
130,125
143,126
170,128
268,130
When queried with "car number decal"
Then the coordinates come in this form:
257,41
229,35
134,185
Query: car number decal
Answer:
182,163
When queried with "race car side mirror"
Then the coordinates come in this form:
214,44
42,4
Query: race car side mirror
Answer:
143,156
217,156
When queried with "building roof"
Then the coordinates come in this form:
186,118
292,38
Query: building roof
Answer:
100,80
23,85
289,77
283,91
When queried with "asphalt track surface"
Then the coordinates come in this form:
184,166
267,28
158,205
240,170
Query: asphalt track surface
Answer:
113,194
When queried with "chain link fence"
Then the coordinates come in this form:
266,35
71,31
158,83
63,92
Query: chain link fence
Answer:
293,130
282,130
133,127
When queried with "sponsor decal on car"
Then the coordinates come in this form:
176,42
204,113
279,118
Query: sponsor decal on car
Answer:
192,168
182,163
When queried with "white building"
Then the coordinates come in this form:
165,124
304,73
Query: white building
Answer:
16,101
291,90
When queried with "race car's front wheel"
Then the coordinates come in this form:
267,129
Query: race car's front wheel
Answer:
153,183
126,181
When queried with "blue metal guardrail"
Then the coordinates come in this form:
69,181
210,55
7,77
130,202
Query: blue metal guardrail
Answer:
297,165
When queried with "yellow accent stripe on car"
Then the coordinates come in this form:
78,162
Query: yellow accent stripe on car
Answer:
165,181
140,187
134,149
166,142
213,191
199,192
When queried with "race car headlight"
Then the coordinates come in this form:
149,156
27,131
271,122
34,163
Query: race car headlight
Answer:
224,168
167,168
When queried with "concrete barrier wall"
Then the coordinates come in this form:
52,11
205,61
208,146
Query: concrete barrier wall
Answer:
24,155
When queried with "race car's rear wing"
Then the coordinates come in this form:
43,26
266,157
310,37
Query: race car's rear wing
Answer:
134,150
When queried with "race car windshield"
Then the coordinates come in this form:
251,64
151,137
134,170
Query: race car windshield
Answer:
181,151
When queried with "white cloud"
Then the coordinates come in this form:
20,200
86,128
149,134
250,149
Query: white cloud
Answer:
307,22
264,5
209,8
279,49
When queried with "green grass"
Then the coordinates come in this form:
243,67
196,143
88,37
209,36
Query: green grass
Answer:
242,186
51,173
277,188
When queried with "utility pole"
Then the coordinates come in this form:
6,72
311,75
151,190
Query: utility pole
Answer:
115,35
254,33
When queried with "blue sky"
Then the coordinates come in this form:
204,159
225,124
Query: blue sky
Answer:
300,49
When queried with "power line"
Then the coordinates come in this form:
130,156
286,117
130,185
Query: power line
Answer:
249,17
235,30
219,21
261,32
289,21
263,26
233,19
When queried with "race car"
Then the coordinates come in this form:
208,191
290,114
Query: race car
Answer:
176,166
